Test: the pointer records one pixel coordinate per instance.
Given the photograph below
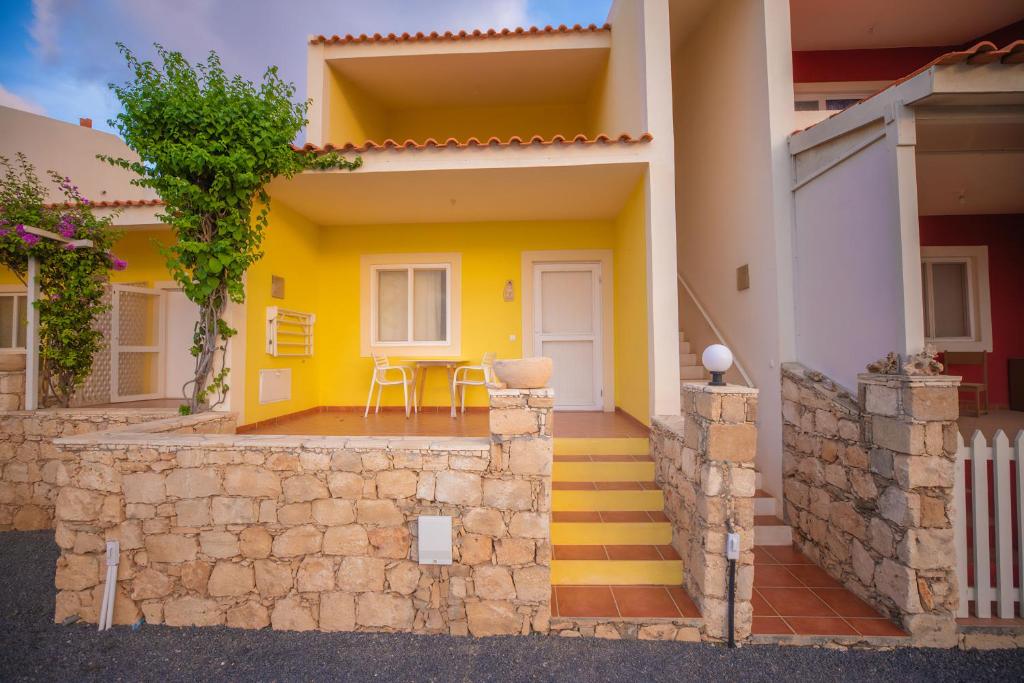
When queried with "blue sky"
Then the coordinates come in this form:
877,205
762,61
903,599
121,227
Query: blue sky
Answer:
57,56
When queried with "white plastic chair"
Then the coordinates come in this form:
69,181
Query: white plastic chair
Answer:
379,380
486,367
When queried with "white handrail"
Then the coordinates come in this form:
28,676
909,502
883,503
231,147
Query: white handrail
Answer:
714,329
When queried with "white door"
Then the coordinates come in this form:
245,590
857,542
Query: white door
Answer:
136,343
179,363
567,329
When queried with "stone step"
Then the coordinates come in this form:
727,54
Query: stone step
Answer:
765,504
630,445
682,336
607,501
616,572
684,347
688,359
603,471
691,372
770,530
601,532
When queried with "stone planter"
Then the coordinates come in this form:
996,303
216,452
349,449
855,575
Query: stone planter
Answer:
12,362
523,373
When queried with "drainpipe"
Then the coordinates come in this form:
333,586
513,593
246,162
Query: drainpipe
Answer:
732,553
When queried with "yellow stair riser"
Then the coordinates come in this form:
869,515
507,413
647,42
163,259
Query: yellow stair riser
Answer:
611,533
602,471
600,501
613,446
616,572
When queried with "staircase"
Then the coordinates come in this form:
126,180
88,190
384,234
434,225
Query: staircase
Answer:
769,529
690,368
607,523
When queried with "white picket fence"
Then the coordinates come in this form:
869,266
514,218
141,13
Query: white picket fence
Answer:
1007,482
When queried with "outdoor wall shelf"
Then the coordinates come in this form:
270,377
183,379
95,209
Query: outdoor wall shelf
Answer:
289,333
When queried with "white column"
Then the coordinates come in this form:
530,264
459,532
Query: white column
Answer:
32,337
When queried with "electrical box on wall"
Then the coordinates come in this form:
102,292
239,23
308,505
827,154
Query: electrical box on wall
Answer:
277,286
435,539
743,277
275,385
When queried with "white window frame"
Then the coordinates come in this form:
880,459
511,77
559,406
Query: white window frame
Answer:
979,303
371,264
14,291
837,90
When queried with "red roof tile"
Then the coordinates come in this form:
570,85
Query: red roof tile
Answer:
460,35
984,52
108,203
515,140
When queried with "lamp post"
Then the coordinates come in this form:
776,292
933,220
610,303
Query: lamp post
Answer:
717,358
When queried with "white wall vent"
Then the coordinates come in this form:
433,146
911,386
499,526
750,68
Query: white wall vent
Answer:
435,539
275,385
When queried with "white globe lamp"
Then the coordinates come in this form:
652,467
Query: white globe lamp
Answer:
717,358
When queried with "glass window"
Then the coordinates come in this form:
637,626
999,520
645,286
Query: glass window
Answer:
13,308
947,291
412,304
840,103
807,105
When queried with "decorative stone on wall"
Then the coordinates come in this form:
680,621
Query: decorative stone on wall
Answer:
705,466
304,533
31,468
12,390
869,490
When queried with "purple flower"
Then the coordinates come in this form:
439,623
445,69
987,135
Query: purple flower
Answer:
116,263
69,246
30,239
66,227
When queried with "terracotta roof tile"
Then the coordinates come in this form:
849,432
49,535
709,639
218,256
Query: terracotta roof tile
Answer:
984,52
108,203
515,140
459,35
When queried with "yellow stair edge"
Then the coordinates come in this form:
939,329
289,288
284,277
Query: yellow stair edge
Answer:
616,572
632,445
611,533
600,501
602,471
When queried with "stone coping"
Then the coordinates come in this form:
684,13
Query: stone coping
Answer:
544,392
702,387
86,411
923,380
671,423
155,433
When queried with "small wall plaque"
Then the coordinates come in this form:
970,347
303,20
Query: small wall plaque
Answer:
743,277
508,293
277,286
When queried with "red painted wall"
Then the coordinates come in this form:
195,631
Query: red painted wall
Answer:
888,64
1004,236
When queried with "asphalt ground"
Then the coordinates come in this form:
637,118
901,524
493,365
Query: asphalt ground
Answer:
32,647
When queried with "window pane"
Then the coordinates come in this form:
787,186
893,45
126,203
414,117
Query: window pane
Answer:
392,305
949,284
839,105
430,307
925,297
806,105
22,320
6,321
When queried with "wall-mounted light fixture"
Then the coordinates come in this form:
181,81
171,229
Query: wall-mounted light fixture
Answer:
508,293
717,358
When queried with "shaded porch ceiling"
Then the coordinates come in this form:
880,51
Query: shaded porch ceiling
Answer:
970,160
584,192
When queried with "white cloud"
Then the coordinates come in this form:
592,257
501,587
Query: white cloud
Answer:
44,29
9,99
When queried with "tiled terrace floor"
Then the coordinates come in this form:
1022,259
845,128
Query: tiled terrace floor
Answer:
438,422
1010,421
793,596
622,601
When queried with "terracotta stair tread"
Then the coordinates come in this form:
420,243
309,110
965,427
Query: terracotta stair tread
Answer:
627,602
768,520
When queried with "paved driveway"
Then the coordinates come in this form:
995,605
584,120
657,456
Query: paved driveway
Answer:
31,647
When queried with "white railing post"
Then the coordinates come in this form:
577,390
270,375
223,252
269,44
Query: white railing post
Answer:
960,524
1004,524
1018,449
32,336
979,492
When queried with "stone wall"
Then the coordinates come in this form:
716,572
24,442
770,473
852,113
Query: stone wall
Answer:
31,468
303,533
869,490
705,466
12,390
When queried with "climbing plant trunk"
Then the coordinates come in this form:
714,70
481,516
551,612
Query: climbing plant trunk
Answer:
210,350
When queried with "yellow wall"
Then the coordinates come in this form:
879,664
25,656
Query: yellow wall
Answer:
352,115
631,370
491,253
291,249
485,122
